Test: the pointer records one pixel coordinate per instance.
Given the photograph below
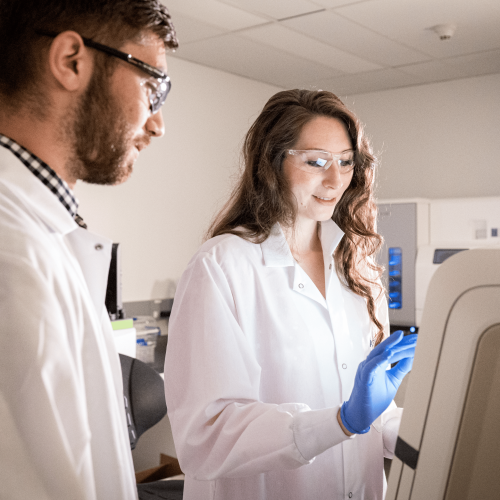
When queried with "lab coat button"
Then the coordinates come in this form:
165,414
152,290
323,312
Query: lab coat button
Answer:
98,247
344,366
301,285
350,494
330,266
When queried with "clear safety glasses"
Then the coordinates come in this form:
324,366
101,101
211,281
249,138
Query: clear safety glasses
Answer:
317,161
160,84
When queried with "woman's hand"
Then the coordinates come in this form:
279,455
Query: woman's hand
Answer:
374,385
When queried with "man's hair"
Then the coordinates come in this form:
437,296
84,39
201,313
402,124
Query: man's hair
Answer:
262,196
111,22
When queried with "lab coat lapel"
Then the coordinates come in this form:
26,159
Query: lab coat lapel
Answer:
93,253
304,285
276,253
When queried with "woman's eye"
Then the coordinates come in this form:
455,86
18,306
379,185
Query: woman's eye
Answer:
346,163
315,163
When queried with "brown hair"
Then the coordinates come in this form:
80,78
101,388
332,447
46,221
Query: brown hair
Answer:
111,22
263,197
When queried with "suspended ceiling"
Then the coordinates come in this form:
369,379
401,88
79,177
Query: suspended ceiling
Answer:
348,47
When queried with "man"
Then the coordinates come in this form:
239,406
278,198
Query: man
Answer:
71,107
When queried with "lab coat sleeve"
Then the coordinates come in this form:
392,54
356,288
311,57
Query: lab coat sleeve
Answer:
212,379
39,388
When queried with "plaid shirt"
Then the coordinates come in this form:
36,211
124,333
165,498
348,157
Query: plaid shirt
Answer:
41,170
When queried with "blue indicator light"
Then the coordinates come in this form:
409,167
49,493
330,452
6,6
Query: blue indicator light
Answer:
395,278
412,329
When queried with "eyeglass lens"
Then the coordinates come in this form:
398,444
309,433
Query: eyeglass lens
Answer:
321,160
158,97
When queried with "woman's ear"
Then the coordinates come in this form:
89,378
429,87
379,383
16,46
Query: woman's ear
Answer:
70,62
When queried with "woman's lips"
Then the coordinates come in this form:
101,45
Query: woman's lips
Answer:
325,201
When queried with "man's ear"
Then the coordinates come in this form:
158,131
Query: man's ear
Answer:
70,62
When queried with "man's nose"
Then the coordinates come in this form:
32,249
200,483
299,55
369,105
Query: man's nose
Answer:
155,126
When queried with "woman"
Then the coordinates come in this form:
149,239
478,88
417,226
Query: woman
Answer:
274,314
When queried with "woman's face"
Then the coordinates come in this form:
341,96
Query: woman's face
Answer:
317,193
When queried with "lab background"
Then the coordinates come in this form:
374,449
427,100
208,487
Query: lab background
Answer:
431,108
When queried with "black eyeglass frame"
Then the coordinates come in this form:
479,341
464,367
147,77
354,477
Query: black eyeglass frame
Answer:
129,58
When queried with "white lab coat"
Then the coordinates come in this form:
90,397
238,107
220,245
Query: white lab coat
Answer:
62,426
258,364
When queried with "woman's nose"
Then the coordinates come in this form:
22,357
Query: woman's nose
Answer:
333,179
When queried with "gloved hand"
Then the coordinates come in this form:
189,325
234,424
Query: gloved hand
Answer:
374,385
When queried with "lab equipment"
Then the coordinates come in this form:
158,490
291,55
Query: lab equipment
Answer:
124,336
147,336
374,385
449,439
419,235
114,303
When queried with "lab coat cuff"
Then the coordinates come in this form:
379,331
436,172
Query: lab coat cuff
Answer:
317,430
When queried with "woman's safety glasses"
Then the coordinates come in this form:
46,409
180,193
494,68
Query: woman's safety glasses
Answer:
160,82
317,161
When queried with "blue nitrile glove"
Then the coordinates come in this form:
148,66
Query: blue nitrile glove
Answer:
374,385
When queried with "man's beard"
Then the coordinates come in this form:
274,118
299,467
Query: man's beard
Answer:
100,136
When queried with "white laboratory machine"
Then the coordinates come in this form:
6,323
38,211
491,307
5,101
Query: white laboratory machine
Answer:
419,235
448,446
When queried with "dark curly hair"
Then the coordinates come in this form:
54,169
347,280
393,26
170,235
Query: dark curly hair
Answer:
263,197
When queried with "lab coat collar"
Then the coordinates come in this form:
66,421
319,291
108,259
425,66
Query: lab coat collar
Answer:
37,196
330,235
276,251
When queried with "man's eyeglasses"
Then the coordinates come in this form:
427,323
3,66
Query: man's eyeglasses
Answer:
316,161
161,84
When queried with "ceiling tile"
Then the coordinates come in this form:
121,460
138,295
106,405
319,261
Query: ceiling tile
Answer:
276,9
191,30
380,44
434,71
295,43
478,64
342,33
215,13
328,4
244,57
408,22
369,82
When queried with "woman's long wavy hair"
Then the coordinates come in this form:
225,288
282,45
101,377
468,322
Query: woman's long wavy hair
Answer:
263,196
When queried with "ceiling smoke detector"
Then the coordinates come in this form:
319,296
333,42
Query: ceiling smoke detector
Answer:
444,31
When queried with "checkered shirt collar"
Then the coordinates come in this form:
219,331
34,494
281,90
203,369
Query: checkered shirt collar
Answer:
41,170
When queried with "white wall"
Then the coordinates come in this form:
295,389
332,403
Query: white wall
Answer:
439,140
161,213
